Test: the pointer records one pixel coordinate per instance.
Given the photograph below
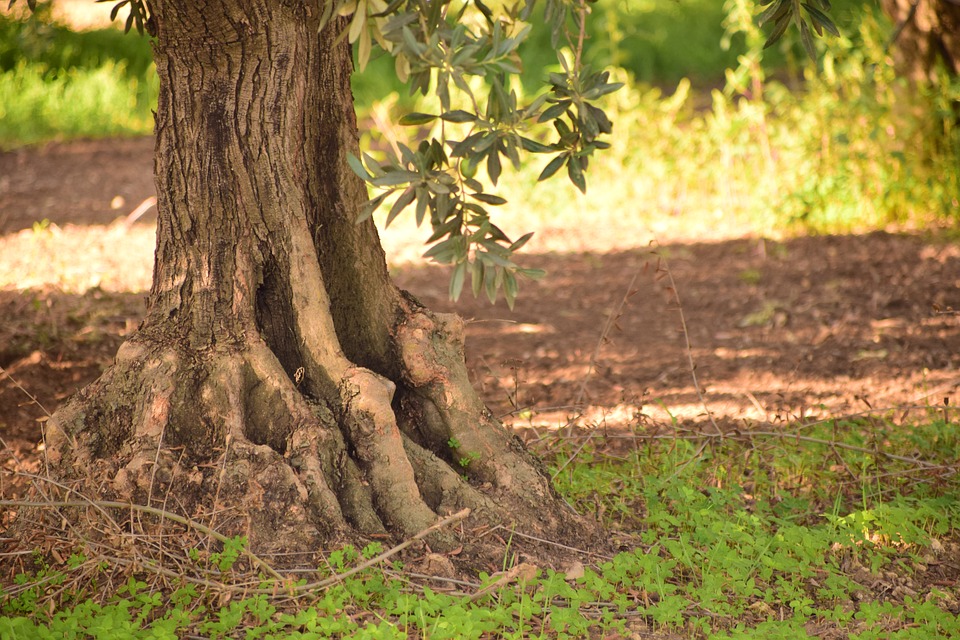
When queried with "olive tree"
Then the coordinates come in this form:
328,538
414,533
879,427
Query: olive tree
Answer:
279,373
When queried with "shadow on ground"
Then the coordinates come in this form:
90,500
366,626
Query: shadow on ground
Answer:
811,326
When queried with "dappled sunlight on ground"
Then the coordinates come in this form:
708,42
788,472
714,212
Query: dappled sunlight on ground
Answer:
79,258
777,329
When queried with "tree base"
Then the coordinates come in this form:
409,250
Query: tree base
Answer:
227,438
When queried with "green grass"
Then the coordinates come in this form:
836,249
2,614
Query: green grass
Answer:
849,149
783,148
42,41
93,103
757,535
59,84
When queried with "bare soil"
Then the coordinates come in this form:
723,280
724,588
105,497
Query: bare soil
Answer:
827,325
732,331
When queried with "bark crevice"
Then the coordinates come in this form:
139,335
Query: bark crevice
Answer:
280,380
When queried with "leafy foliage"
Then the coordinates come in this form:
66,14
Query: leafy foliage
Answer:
466,55
59,83
781,13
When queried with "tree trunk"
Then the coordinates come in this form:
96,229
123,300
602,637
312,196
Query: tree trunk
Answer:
928,31
279,377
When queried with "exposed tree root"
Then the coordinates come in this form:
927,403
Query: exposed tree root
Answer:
230,436
280,386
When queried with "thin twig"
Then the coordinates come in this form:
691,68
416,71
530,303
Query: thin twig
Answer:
110,504
83,502
544,541
340,577
689,347
612,318
614,315
137,213
4,373
581,34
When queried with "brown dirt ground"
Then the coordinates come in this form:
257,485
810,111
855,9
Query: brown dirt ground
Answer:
777,329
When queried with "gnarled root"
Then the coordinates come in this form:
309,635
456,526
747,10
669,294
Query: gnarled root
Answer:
444,414
228,437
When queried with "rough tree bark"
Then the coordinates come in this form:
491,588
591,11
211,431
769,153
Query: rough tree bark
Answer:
928,32
278,372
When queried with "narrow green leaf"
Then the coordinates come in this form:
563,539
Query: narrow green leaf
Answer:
371,205
394,178
438,187
416,118
463,147
458,116
773,12
820,18
372,165
116,9
490,282
554,112
476,277
413,47
534,147
575,171
807,38
443,252
524,239
359,21
489,198
485,10
778,30
423,200
557,79
600,117
405,198
486,140
535,106
363,49
513,151
566,134
492,258
497,234
552,167
457,280
493,166
473,185
358,167
510,288
533,274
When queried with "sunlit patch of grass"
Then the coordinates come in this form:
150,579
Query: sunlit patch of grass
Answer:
77,258
832,521
58,83
101,102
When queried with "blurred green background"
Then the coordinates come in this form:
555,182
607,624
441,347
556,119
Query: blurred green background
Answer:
708,123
